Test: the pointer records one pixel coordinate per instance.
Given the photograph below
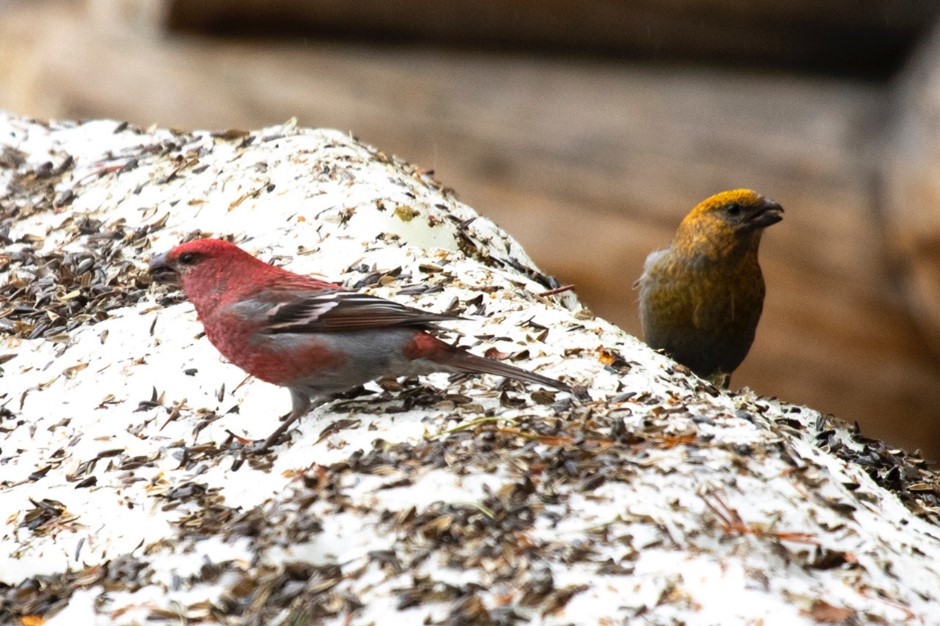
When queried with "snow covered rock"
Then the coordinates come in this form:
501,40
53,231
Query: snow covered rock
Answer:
470,501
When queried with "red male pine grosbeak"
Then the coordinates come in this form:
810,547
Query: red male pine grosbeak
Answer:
313,337
701,298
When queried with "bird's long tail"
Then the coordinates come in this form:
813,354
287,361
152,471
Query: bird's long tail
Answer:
471,363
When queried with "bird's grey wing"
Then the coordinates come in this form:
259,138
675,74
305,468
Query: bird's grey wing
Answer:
340,310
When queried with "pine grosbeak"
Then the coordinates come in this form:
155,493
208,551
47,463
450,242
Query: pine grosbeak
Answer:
701,298
313,337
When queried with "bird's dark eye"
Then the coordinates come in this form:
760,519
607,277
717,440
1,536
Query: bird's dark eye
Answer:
734,210
188,258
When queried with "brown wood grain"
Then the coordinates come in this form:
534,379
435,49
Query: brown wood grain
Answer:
868,37
911,196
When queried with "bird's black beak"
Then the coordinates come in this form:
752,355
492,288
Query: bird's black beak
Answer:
767,214
162,271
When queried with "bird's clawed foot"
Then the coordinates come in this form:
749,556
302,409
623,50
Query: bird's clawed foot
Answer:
249,450
580,393
257,448
721,380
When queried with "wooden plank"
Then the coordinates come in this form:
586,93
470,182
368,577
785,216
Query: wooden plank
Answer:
837,35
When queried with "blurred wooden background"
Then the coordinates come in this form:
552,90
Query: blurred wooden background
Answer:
588,129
